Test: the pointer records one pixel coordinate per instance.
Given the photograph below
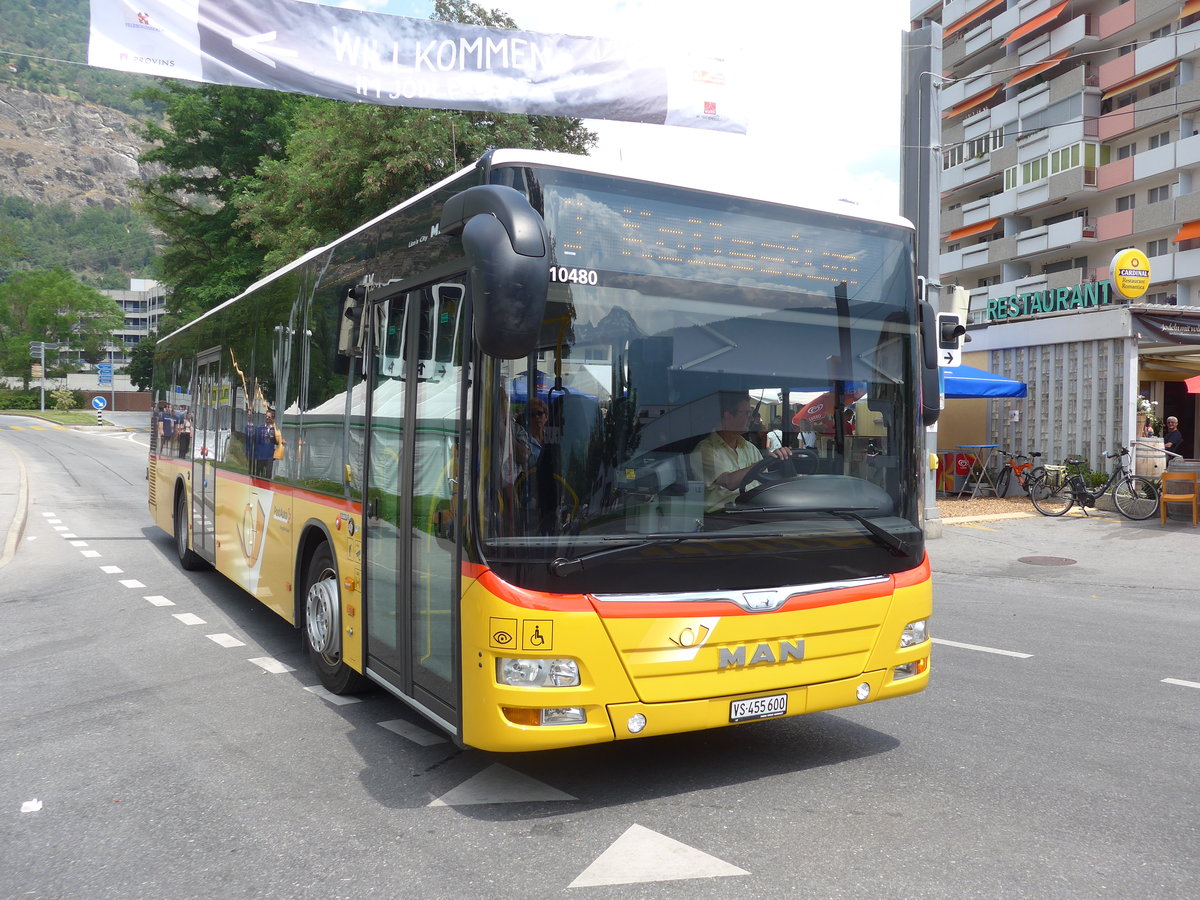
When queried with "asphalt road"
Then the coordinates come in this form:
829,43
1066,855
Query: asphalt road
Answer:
159,739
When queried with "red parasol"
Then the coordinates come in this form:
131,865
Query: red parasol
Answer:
822,407
1193,384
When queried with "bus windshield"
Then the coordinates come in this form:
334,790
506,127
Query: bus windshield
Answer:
686,336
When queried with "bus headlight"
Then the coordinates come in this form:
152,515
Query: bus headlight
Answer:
537,672
915,633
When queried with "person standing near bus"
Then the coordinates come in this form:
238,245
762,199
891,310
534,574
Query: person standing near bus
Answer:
723,458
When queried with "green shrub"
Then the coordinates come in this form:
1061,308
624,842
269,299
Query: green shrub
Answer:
19,400
65,401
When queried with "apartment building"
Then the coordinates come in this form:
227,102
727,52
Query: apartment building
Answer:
144,304
1070,131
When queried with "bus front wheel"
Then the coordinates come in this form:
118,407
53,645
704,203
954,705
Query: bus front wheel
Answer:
188,558
323,625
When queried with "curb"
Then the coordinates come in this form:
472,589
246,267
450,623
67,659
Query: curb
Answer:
996,517
17,528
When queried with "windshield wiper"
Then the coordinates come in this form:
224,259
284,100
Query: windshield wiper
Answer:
894,542
563,567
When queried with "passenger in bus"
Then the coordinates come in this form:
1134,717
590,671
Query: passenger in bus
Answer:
723,458
527,442
183,430
264,447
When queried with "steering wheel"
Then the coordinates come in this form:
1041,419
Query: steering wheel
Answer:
773,470
768,470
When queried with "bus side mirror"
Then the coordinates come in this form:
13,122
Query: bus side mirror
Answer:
508,250
931,382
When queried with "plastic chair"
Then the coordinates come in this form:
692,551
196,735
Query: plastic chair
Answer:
1179,487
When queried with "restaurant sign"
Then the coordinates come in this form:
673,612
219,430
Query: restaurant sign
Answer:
1091,295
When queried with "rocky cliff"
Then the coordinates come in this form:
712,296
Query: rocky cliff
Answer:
54,150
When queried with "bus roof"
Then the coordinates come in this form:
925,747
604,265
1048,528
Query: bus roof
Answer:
655,173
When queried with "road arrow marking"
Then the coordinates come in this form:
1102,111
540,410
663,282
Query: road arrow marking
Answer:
500,784
641,855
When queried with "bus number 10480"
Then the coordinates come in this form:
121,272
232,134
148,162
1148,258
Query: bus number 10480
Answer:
568,275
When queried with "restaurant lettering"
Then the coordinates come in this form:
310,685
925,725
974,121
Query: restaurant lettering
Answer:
1064,299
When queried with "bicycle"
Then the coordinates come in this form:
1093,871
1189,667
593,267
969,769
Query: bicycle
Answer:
1135,496
1025,472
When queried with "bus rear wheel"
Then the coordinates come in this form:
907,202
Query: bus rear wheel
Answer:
323,625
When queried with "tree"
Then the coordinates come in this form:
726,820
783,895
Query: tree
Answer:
255,178
51,306
216,138
346,163
141,362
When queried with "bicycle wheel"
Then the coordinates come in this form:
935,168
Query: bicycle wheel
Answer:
1051,500
1034,474
1002,482
1136,497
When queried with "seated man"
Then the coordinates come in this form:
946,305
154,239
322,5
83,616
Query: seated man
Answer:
723,458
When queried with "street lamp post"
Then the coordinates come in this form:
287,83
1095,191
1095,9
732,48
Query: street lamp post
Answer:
37,351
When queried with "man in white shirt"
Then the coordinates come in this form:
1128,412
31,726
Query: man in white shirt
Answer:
723,458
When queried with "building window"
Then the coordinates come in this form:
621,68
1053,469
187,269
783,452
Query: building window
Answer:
1160,140
1126,99
1127,151
1160,247
1158,194
1163,84
1160,32
1126,203
1126,50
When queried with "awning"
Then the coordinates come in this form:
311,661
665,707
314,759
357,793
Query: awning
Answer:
1190,230
968,230
1039,68
1035,23
1139,80
960,382
970,103
1190,9
977,14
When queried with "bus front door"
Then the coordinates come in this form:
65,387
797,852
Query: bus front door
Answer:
411,572
204,435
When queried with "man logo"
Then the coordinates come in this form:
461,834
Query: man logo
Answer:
736,657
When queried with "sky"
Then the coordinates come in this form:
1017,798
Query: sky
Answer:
825,79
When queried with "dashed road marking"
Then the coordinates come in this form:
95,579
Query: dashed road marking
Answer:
1181,682
225,640
330,697
271,665
1012,653
159,600
131,583
90,554
189,619
411,732
110,570
79,543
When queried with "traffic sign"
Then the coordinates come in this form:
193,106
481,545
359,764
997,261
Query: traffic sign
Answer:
98,403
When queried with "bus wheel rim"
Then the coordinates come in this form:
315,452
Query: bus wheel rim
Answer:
321,617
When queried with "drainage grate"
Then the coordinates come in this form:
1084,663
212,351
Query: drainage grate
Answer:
1046,561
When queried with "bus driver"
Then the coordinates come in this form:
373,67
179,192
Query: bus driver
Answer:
723,458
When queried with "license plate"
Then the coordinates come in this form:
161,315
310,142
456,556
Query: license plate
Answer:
758,708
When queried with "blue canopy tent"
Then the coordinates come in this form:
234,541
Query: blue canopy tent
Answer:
959,382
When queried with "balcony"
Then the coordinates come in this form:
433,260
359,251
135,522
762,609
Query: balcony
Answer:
1114,226
1115,174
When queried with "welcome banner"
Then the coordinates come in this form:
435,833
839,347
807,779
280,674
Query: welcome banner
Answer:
305,48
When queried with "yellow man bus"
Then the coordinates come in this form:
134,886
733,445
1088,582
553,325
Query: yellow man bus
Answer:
489,452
